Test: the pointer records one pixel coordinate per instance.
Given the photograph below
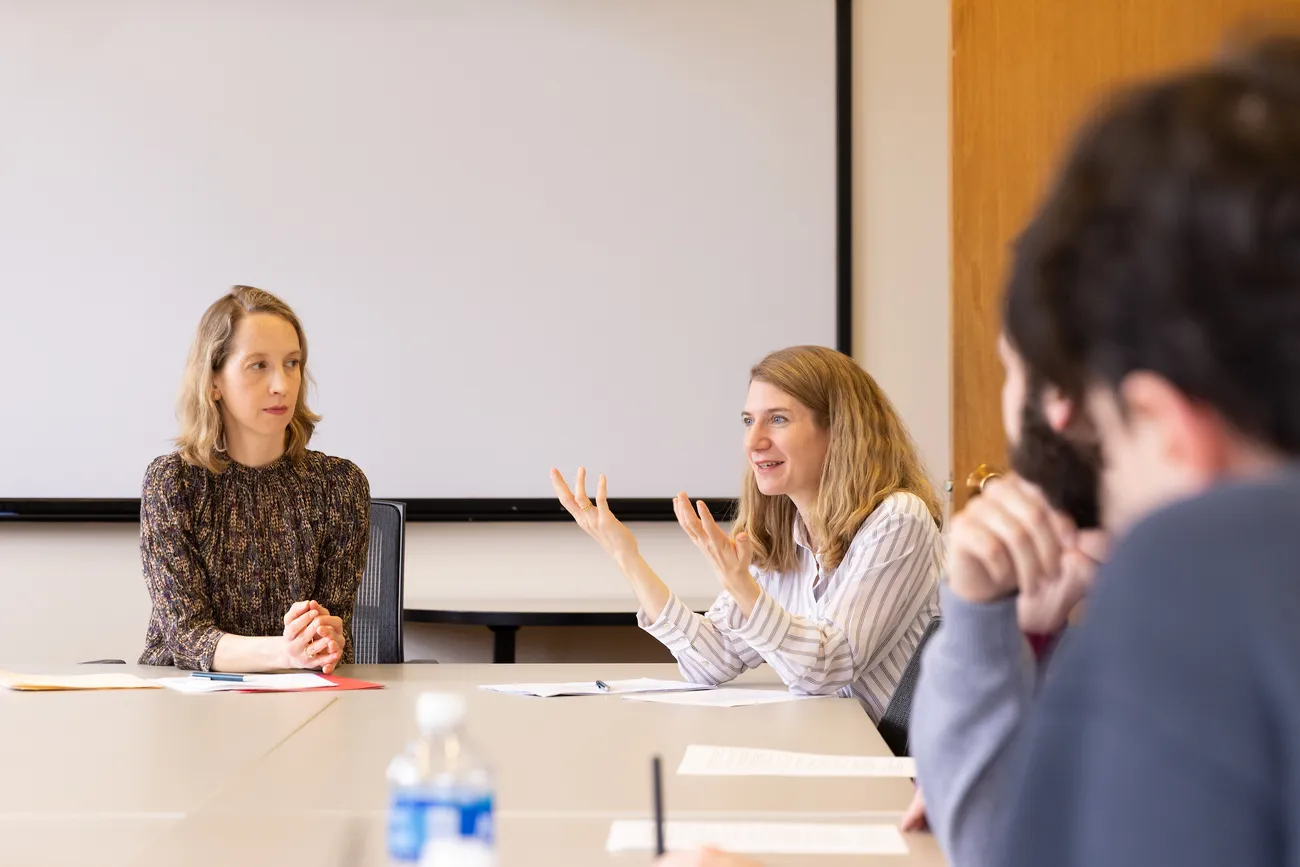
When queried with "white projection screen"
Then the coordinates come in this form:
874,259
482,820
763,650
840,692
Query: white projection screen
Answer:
519,233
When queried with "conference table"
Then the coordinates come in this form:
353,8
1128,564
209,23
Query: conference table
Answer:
154,777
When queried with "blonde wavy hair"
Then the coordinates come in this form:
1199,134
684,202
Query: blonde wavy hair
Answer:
870,456
202,439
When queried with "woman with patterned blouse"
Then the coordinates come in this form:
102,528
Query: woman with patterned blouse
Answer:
252,545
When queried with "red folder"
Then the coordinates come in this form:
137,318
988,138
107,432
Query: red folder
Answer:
350,683
340,683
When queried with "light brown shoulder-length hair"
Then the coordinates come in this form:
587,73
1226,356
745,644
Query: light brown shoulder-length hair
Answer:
870,456
202,440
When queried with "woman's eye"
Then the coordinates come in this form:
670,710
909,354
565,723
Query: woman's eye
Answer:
747,422
293,363
257,365
779,419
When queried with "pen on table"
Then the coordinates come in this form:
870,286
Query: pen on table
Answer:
216,675
602,686
657,774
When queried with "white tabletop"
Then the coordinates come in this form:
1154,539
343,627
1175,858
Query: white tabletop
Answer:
151,752
62,840
578,753
351,840
154,777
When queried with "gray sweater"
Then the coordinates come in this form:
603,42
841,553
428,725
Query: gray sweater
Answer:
1167,730
976,685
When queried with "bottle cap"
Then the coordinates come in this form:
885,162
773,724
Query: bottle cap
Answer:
438,711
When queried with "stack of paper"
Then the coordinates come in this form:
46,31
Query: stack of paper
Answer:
589,687
728,696
744,761
250,683
760,838
41,683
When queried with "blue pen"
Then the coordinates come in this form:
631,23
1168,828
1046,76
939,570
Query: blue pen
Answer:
602,686
216,675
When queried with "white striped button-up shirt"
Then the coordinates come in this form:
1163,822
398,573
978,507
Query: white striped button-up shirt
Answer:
848,631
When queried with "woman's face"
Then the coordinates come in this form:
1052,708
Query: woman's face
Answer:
258,385
785,446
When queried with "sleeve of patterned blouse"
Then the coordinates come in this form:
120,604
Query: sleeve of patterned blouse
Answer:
346,547
173,571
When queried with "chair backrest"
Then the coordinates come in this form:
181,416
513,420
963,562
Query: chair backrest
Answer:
377,618
893,725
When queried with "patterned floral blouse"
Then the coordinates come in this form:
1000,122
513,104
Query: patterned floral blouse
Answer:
231,552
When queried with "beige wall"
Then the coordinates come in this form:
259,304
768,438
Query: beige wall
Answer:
900,179
73,592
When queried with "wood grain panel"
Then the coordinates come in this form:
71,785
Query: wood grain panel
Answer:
1024,72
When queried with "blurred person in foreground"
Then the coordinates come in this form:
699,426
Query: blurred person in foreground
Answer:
1158,287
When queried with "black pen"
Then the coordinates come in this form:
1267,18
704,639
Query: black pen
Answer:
216,675
657,769
602,686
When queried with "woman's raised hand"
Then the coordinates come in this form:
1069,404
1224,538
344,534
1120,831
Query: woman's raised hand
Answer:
594,518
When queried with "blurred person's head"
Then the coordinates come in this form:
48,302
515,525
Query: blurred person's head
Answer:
1158,285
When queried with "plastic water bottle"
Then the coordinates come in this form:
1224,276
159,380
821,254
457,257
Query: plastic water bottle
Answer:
440,793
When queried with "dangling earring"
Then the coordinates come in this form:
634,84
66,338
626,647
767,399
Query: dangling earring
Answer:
220,444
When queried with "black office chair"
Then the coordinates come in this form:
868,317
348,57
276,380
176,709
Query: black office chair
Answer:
893,725
377,618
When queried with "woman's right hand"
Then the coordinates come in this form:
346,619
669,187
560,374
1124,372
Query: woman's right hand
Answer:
594,518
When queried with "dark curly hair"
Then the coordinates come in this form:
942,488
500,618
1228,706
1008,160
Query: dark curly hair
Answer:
1170,243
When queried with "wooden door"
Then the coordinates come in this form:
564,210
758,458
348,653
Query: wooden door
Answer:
1024,72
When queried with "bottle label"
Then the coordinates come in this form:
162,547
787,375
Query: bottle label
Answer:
420,820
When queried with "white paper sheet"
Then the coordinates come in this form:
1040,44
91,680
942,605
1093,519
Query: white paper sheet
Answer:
744,761
727,696
50,683
255,682
588,687
759,838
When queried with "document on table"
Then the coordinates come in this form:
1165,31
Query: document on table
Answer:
589,687
44,683
759,838
727,696
744,761
250,683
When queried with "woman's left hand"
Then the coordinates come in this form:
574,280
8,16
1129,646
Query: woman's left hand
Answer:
730,557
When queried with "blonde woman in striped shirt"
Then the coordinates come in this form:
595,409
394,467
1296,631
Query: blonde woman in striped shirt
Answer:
832,572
